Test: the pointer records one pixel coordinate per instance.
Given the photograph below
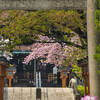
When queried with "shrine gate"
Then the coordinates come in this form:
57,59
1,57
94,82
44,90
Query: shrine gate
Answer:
93,36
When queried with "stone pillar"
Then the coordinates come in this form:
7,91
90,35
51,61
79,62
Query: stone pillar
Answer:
93,41
34,72
64,76
64,82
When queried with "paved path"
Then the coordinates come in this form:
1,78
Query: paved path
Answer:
28,93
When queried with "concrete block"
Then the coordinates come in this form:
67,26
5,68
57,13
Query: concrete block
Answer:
43,94
51,94
27,94
18,93
33,94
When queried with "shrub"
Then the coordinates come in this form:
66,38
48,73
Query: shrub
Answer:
81,90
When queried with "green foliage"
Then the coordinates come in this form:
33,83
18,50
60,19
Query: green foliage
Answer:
81,90
23,27
76,54
44,41
11,65
77,70
99,3
97,17
97,55
97,22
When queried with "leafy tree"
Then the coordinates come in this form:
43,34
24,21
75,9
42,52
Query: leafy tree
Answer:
23,27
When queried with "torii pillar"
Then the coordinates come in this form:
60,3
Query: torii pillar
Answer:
3,65
93,41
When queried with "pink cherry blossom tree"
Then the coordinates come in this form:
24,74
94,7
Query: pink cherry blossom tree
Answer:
58,54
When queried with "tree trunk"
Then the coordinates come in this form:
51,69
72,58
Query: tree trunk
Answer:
93,41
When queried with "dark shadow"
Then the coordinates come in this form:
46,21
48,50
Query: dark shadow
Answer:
5,93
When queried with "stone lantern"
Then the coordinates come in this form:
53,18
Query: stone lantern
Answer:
3,65
10,73
64,74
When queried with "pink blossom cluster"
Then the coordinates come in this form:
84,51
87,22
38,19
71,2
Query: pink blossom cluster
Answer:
52,52
89,98
75,40
55,53
41,38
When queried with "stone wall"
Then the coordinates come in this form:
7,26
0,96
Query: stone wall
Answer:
28,93
43,4
18,93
